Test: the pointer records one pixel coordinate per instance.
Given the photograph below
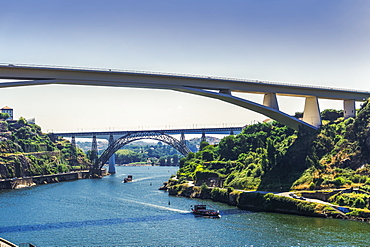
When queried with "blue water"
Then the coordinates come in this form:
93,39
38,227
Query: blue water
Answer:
107,212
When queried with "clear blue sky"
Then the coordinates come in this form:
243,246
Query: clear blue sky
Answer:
312,42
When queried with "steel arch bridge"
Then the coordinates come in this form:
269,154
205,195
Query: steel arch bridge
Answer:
134,136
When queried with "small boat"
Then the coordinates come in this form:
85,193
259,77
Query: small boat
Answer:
202,210
128,179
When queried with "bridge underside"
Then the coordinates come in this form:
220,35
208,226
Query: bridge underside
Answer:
217,88
271,112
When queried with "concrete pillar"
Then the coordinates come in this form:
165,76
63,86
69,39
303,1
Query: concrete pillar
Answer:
112,159
349,108
182,139
73,142
203,139
270,100
74,148
311,114
94,150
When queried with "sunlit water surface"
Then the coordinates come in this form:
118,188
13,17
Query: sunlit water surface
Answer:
108,212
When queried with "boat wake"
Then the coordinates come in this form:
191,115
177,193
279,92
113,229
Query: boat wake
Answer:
146,178
157,206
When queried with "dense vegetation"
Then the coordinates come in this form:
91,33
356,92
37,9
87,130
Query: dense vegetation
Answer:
272,157
26,151
151,154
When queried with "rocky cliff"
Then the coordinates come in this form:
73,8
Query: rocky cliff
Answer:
26,151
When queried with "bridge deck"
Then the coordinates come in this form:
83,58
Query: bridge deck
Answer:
106,134
41,75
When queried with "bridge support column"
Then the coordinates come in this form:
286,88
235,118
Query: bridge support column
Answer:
112,159
270,100
94,150
74,149
311,113
73,142
182,139
95,169
203,139
349,108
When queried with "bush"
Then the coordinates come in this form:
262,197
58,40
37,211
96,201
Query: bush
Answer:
350,200
359,203
220,195
337,182
312,186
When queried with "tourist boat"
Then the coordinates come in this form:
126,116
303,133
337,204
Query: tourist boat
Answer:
128,179
202,210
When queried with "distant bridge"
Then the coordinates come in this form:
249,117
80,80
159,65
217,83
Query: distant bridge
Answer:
213,87
126,137
107,134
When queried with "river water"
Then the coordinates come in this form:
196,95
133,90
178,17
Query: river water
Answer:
107,212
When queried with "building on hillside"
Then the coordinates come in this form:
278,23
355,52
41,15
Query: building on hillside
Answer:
8,110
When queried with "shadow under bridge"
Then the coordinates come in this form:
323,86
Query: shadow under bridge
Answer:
115,145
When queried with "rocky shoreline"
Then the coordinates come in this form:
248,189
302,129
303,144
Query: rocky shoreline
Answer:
18,183
263,202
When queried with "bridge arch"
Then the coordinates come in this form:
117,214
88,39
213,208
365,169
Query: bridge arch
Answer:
139,135
271,112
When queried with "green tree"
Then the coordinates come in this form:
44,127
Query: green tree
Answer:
175,159
207,155
169,160
162,161
4,116
22,121
202,145
331,114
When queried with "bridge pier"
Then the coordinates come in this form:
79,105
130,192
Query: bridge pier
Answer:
74,148
349,108
95,169
311,113
182,139
270,100
112,159
73,142
94,150
203,139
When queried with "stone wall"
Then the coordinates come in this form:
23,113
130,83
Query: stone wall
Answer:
17,183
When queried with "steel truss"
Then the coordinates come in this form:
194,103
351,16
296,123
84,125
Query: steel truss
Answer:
126,139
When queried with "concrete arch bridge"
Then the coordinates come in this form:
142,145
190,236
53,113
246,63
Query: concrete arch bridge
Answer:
213,87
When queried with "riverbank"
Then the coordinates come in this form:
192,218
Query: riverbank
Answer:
18,183
267,202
